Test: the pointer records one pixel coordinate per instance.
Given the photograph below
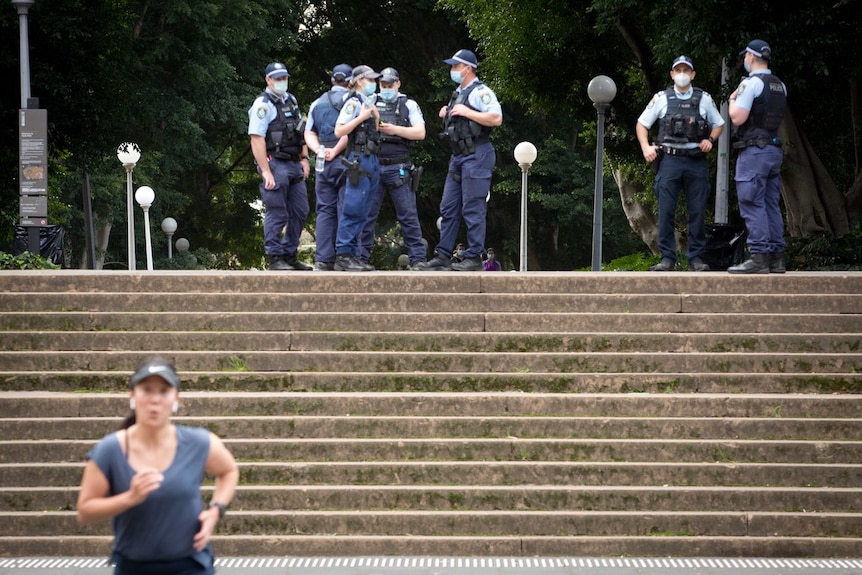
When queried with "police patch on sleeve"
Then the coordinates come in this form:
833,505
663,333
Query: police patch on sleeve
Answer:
486,97
350,107
741,89
261,112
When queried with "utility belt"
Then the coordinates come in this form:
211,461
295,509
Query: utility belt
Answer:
467,146
393,161
368,148
685,152
286,156
761,142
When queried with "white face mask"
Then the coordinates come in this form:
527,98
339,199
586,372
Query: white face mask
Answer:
280,87
682,80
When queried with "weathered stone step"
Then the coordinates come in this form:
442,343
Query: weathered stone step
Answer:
432,302
462,449
449,361
327,426
336,545
483,523
517,473
177,281
434,322
444,382
427,342
492,497
35,404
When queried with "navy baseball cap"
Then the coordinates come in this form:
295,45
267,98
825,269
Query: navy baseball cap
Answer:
276,70
463,57
388,75
364,71
342,72
157,366
759,48
682,60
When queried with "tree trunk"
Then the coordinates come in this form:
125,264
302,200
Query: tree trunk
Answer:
102,236
641,220
813,203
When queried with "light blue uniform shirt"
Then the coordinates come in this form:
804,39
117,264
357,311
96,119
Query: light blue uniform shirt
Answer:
750,88
657,109
483,98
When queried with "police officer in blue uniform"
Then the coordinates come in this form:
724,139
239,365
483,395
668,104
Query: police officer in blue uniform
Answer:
467,121
358,120
320,132
275,127
401,124
689,126
757,108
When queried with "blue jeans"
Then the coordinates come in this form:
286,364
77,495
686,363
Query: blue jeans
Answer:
466,198
758,187
690,174
357,200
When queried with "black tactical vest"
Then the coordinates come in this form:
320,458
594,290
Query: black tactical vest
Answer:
396,113
284,135
364,139
767,111
464,134
683,123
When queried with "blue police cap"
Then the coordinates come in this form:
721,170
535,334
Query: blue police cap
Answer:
759,48
463,57
682,60
276,70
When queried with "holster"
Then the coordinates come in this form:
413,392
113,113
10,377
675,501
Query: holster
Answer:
415,176
659,154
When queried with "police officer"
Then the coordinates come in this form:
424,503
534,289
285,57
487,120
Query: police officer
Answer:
320,132
689,126
358,120
401,124
275,126
467,121
757,107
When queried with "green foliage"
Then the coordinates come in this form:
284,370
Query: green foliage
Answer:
826,252
26,261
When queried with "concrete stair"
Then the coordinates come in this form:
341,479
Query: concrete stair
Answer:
555,414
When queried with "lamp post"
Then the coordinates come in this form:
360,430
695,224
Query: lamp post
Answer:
182,245
169,226
129,153
145,196
525,155
601,91
23,7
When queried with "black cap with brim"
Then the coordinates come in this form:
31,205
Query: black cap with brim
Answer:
156,366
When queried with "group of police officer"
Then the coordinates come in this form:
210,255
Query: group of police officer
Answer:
689,126
361,138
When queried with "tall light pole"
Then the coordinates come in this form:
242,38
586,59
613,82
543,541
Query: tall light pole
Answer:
145,196
129,154
169,226
525,155
601,91
23,7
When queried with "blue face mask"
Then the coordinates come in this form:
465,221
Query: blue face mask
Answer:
369,88
456,76
388,94
746,66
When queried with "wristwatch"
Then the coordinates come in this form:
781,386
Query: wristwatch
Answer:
222,508
712,140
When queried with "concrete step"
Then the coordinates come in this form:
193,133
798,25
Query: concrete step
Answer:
431,302
462,449
478,472
462,322
494,497
412,426
541,523
431,342
448,361
328,545
51,404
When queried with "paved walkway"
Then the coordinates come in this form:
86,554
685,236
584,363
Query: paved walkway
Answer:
464,566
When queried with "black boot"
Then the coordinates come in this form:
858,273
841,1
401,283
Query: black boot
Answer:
758,264
776,263
277,263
